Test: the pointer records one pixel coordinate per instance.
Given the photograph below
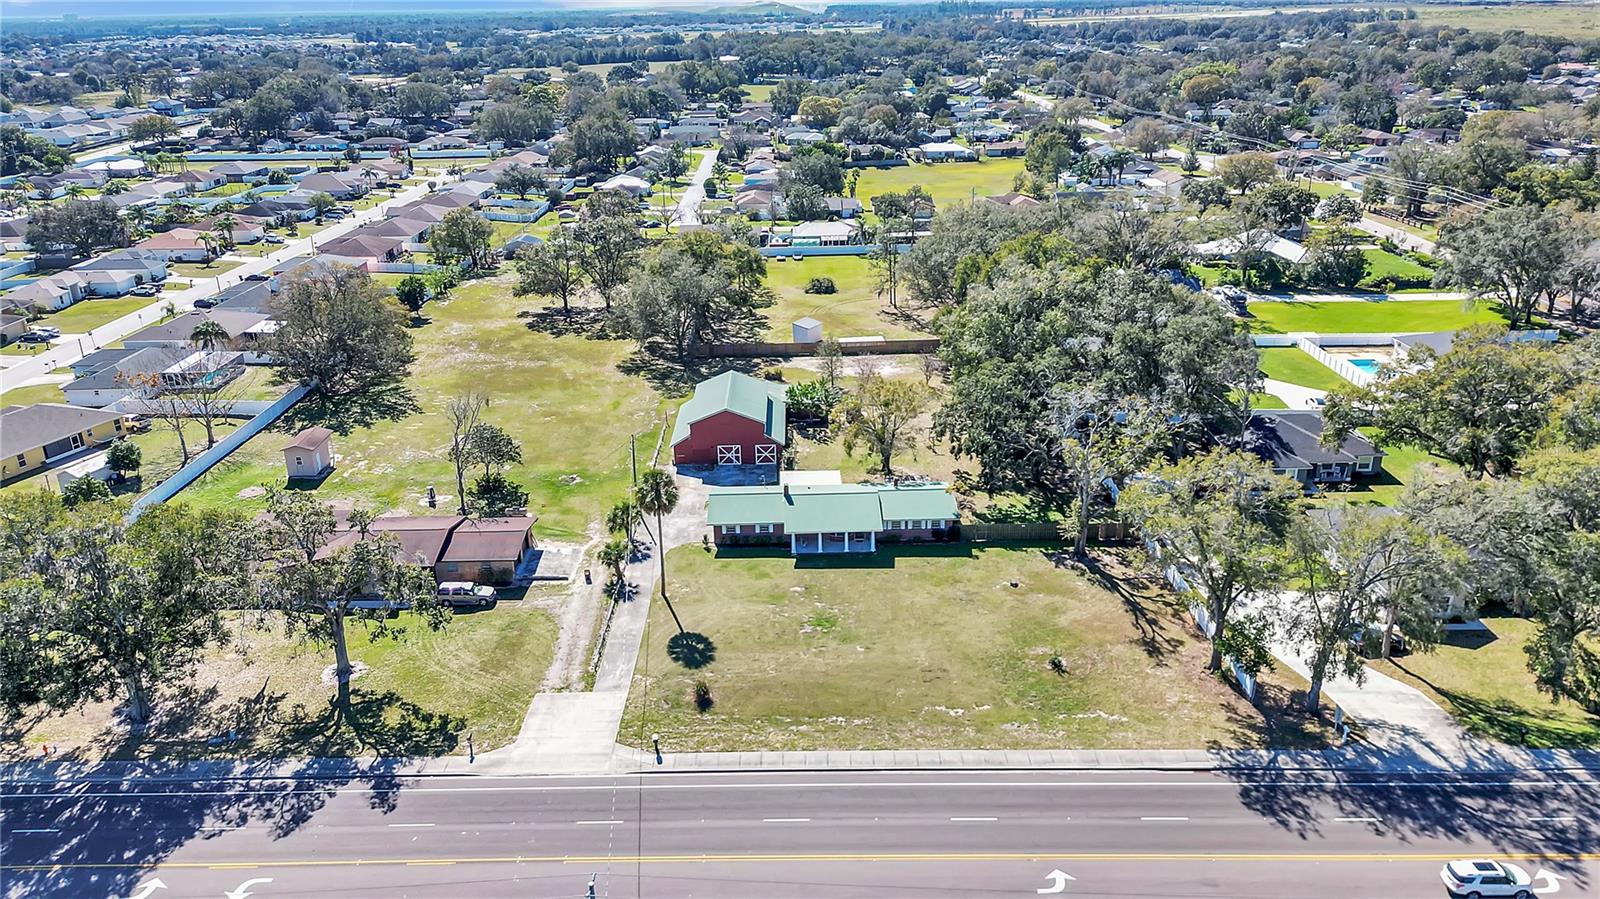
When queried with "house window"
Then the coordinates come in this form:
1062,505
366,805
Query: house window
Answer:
763,529
298,461
1365,464
730,529
22,460
75,441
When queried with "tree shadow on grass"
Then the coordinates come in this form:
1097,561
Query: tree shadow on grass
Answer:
1513,723
691,650
584,321
344,414
672,377
1148,608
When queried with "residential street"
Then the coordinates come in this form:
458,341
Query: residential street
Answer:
803,834
69,348
687,211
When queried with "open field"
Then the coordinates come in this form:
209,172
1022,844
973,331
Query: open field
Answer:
948,182
757,93
560,394
1488,688
1293,365
930,647
854,311
1569,21
421,695
1379,316
86,315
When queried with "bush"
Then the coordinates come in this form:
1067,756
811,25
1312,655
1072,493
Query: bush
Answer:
821,285
702,696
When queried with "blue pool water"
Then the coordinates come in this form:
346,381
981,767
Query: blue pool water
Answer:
1366,365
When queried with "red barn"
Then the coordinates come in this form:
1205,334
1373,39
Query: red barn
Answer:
732,419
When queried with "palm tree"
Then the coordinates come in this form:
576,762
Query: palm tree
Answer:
213,245
614,555
138,216
114,187
74,190
12,198
224,225
208,336
657,494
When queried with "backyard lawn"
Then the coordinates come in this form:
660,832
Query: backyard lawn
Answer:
936,647
1291,364
34,393
949,182
562,397
420,695
1380,316
86,315
1402,465
1489,690
855,311
1383,265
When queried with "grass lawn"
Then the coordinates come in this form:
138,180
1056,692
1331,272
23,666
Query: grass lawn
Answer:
201,270
1379,316
854,311
928,647
86,315
563,397
1382,264
757,93
35,393
949,182
420,695
1293,365
1209,275
1401,466
1489,690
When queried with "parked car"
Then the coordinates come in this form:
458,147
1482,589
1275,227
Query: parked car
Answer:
258,276
1368,641
273,238
1482,879
1316,402
135,424
204,303
146,290
465,594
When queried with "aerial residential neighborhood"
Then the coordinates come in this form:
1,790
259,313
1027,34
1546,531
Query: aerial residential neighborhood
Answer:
898,449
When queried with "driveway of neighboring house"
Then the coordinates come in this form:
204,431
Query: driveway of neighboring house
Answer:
1296,396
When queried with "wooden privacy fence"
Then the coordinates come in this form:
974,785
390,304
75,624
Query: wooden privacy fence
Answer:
753,349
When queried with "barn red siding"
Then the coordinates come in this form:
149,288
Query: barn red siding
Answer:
722,429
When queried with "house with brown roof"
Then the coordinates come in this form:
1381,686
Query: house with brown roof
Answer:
454,547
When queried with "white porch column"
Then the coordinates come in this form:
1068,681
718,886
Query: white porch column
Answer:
846,541
872,541
793,549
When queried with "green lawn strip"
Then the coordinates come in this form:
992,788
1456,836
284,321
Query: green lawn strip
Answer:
201,270
86,315
854,311
34,393
1489,690
1377,316
563,397
1382,264
927,647
419,695
1291,364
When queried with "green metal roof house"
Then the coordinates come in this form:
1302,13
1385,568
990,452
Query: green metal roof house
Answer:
830,518
732,419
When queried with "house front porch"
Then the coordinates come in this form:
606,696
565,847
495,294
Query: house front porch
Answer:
833,542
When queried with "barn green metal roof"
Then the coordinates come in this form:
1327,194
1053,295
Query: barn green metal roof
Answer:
753,398
816,508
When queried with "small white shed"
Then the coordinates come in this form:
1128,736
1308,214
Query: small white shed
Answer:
807,330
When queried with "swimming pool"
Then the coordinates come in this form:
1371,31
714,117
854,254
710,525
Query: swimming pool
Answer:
1370,366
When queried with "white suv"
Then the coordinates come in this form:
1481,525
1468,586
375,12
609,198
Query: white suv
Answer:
1477,878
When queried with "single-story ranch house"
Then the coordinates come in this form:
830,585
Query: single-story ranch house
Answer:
453,547
815,517
38,436
1291,441
732,419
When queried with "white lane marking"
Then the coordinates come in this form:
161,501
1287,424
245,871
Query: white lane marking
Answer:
410,825
57,795
1357,820
785,820
1556,818
1163,818
38,830
974,819
609,821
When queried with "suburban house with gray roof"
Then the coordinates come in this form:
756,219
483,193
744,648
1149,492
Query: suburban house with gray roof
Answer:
814,516
1291,441
732,419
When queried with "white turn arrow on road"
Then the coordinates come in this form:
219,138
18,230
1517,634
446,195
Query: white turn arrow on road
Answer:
1058,880
1545,883
243,889
148,887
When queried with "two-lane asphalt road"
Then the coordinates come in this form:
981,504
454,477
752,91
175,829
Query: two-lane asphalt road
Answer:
800,834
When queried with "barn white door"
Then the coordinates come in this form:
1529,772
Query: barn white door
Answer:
767,454
730,454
